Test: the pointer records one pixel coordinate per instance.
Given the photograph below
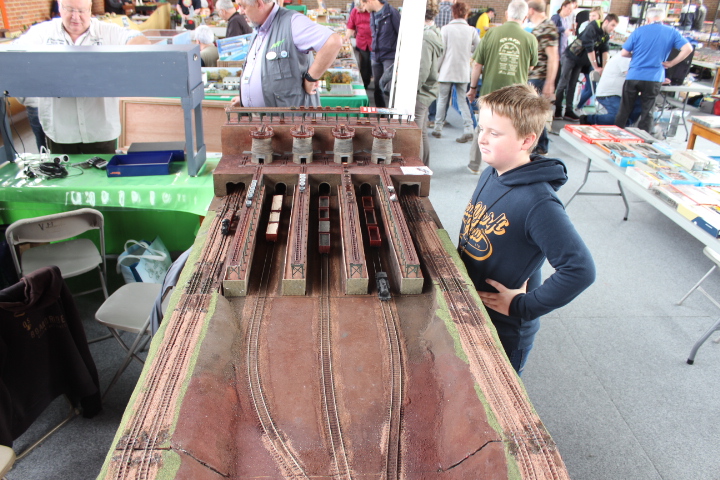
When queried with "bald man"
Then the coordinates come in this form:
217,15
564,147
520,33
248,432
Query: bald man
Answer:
80,125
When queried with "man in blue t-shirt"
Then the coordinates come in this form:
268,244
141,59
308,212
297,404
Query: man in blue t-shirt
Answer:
649,47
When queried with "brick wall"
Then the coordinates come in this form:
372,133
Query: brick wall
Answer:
619,7
23,13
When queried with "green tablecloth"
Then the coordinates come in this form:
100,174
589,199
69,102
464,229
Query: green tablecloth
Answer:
360,99
134,207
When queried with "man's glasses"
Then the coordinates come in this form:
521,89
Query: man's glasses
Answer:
79,11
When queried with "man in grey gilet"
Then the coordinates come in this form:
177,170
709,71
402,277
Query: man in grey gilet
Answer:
279,70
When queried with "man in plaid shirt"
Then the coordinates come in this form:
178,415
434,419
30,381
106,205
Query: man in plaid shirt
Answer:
445,14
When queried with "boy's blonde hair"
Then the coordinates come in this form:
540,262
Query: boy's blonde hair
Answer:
520,103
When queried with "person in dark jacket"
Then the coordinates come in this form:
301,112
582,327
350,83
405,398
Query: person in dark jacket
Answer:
515,221
236,23
385,25
580,53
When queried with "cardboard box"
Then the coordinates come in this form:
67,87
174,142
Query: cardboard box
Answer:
644,178
618,134
588,134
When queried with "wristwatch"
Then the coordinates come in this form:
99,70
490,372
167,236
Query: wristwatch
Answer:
306,76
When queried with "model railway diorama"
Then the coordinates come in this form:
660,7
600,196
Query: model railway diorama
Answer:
324,326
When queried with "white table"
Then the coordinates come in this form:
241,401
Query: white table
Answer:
602,160
665,90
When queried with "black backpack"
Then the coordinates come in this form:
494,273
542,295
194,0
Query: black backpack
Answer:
678,73
473,18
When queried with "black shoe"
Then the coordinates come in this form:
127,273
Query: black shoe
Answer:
558,116
570,116
583,120
540,151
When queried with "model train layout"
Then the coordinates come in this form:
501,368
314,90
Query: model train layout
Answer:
324,326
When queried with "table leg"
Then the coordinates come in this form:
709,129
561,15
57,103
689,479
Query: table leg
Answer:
588,171
692,138
701,340
627,205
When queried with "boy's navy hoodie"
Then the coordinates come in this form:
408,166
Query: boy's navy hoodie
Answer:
511,225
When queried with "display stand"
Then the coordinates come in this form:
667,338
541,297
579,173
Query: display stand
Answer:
108,71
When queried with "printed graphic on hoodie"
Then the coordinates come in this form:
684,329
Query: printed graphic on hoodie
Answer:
478,227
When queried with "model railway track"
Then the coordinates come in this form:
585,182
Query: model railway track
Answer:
534,449
332,419
136,453
281,452
395,410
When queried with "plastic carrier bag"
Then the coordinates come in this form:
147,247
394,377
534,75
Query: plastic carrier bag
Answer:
141,262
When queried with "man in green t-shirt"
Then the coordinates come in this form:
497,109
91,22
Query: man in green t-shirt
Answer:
504,57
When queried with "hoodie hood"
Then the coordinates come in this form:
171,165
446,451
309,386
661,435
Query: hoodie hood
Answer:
35,290
540,169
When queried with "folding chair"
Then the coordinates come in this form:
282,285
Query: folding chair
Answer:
72,257
715,257
7,460
128,309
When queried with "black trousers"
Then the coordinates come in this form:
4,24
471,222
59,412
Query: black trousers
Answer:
569,74
648,92
365,65
82,148
378,69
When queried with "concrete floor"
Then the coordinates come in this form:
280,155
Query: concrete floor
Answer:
607,374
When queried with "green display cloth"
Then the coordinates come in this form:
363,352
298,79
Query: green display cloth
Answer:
300,8
360,99
134,207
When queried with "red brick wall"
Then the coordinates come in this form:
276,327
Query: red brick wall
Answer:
23,13
619,7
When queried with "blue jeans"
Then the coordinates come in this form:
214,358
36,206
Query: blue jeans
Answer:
37,129
612,105
518,358
587,92
543,141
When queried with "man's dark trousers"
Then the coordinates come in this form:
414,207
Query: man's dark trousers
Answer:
378,70
648,92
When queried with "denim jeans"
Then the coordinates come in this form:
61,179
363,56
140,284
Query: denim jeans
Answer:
378,69
518,358
445,99
543,142
612,106
587,92
37,129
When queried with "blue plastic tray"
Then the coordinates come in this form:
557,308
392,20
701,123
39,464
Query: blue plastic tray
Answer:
139,164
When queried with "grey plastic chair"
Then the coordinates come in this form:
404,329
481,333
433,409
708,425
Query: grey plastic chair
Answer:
128,309
7,459
73,257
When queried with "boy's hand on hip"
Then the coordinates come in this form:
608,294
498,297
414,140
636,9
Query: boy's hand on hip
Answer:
500,302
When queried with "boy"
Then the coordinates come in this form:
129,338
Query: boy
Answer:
515,221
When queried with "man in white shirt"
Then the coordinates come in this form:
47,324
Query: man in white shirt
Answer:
80,125
609,93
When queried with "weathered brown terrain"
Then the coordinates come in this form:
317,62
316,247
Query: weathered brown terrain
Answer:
328,385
